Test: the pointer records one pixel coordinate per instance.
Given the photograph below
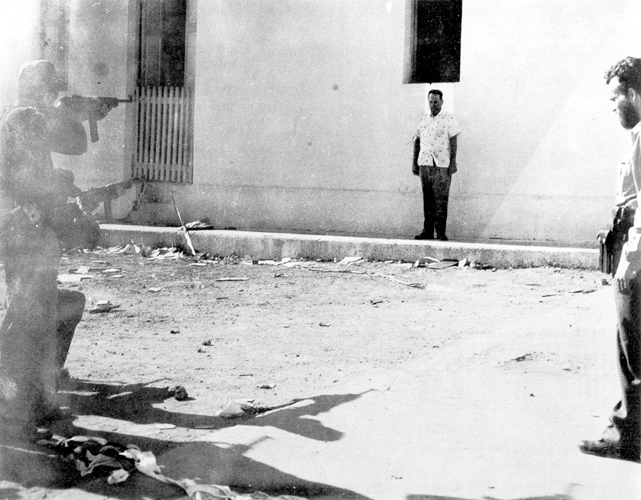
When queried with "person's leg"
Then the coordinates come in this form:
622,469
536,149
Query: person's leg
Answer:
622,438
626,416
27,334
71,305
441,182
428,203
26,347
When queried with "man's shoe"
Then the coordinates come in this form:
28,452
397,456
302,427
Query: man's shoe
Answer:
443,238
424,236
608,449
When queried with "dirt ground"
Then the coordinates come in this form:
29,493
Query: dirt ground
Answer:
275,332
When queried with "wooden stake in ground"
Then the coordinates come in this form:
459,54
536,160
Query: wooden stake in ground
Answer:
187,237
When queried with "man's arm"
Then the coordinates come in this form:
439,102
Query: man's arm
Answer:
417,150
630,263
65,134
453,145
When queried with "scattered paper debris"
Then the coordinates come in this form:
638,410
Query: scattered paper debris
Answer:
199,225
74,278
154,289
424,261
164,426
403,265
131,249
443,264
413,284
241,408
103,307
350,260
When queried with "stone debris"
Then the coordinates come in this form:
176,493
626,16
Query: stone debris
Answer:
103,306
350,260
178,392
242,408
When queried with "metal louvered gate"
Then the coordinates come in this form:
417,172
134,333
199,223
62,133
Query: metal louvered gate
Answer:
164,136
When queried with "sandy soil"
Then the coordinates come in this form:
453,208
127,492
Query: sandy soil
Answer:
300,327
280,332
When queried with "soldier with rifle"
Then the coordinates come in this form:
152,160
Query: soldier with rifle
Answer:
40,320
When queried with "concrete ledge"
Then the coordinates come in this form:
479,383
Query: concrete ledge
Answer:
279,245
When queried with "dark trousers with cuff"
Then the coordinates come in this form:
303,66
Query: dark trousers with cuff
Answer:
39,323
626,415
435,182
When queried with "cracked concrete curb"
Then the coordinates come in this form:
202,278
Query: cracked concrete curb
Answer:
261,245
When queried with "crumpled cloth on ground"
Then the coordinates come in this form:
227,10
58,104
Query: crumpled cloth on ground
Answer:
95,455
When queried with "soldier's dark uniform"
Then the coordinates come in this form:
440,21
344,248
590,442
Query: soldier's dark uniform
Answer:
38,326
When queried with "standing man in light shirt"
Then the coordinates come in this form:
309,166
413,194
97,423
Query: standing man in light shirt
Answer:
622,438
434,162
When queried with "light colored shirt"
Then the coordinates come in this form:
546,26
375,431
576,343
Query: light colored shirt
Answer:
631,259
435,133
626,191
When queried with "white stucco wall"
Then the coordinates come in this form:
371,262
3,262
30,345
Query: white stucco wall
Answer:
302,122
540,143
18,33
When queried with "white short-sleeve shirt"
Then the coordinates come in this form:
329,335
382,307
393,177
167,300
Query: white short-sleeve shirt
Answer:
435,133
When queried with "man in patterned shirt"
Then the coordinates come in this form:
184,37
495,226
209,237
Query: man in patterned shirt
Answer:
435,162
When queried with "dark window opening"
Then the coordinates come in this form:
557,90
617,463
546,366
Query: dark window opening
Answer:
162,43
433,41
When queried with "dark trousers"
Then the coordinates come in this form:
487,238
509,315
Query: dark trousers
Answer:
38,326
626,416
435,182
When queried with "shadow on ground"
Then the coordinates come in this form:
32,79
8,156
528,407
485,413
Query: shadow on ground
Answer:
31,466
134,403
436,497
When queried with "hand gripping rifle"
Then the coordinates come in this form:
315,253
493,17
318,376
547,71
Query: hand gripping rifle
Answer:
96,108
91,199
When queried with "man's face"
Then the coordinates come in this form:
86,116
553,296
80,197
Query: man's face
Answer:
628,114
435,102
